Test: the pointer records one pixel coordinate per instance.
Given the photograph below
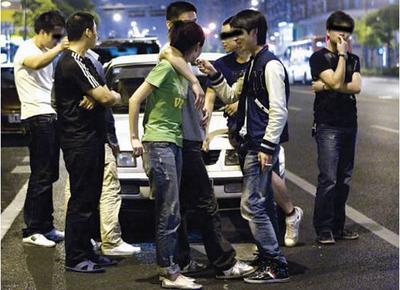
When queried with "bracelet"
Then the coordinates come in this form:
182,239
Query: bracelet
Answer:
324,87
344,55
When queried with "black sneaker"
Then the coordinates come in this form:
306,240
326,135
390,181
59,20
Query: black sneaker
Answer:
269,272
346,235
326,238
193,267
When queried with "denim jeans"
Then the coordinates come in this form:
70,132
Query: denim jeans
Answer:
257,205
162,163
85,166
196,193
336,149
44,153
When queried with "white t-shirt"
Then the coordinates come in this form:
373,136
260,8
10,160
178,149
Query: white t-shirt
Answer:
33,86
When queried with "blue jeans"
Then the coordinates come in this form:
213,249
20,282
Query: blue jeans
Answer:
44,153
162,162
257,205
336,149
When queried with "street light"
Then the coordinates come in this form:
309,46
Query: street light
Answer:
117,17
5,4
212,26
254,3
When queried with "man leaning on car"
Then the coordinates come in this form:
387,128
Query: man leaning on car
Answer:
34,80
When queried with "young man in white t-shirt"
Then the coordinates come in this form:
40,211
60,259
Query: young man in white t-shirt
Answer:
33,70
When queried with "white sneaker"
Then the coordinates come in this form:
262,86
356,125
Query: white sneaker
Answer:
292,227
181,282
39,240
238,270
161,278
123,249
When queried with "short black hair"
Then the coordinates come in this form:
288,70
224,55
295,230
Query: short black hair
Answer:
77,23
337,18
250,19
227,21
175,9
184,35
47,21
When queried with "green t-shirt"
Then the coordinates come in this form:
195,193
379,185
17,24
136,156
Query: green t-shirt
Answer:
163,113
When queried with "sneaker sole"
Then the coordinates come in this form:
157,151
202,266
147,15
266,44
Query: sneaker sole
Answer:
266,281
163,278
235,276
120,254
346,238
38,245
179,287
326,242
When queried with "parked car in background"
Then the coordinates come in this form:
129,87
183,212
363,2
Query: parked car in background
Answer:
296,58
126,74
10,104
111,48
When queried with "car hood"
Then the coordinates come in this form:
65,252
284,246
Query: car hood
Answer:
218,131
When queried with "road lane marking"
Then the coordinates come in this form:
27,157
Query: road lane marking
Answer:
377,229
359,98
20,169
302,92
293,108
13,209
26,159
385,129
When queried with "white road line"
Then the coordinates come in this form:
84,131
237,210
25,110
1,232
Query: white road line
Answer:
26,159
352,213
302,92
13,209
386,97
293,108
385,129
21,169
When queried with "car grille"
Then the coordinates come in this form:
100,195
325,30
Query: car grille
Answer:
211,157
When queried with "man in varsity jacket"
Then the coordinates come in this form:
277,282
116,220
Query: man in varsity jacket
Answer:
262,126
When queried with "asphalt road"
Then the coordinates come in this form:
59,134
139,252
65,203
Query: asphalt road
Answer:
368,263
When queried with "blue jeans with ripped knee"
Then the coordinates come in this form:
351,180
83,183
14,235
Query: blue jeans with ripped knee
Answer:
162,162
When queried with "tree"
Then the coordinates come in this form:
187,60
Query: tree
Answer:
24,20
378,27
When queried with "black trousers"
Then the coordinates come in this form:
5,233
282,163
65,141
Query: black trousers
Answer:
197,193
44,153
85,166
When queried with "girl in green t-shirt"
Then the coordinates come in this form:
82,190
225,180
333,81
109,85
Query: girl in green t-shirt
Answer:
165,94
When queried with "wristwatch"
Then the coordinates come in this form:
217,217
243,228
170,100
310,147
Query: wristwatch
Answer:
343,54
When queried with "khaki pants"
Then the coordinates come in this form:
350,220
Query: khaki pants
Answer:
110,202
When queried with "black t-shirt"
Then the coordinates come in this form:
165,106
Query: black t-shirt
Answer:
334,108
74,77
231,70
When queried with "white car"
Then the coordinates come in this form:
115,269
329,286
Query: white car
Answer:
125,74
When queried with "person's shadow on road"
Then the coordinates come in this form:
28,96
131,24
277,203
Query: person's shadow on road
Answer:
40,262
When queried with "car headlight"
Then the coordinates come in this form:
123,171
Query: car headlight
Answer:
126,159
231,158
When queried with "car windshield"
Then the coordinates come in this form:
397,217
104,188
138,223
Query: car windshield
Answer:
127,79
109,50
